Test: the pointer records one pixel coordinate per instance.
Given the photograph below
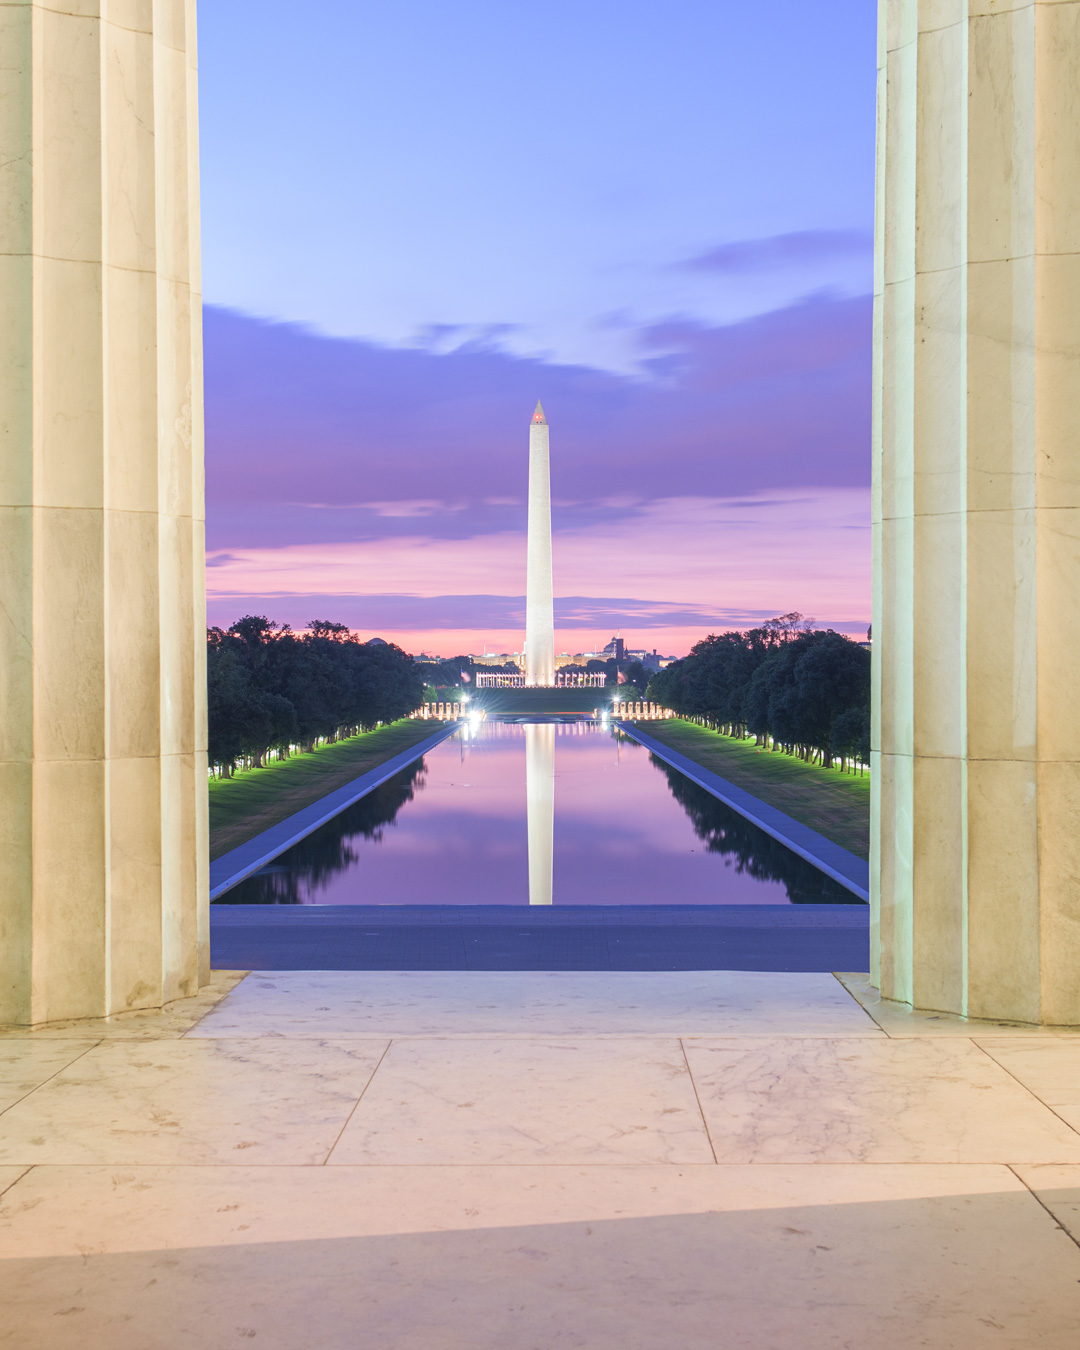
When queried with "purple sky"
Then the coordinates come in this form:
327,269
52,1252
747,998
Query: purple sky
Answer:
656,221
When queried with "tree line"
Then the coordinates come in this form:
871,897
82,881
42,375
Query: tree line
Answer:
795,689
271,690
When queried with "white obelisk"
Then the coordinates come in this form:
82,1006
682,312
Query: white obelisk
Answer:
539,609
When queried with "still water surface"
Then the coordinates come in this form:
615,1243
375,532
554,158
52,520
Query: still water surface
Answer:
568,813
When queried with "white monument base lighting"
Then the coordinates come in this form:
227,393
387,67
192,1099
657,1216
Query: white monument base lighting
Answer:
539,608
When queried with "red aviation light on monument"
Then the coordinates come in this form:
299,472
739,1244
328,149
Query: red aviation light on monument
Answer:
538,415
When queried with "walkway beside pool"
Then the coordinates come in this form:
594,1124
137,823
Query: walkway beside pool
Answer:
516,1160
541,937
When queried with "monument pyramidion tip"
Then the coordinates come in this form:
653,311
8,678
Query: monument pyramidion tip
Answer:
538,415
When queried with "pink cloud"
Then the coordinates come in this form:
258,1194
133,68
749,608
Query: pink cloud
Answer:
293,418
721,562
384,487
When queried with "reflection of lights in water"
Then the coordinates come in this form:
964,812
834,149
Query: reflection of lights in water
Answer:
632,832
540,799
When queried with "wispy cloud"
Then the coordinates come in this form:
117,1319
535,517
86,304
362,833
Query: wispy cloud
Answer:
342,471
392,612
297,421
401,508
682,563
457,337
800,249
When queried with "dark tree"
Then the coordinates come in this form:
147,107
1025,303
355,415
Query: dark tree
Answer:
799,693
805,690
636,680
270,688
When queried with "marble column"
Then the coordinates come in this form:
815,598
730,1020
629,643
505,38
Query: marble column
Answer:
976,815
103,829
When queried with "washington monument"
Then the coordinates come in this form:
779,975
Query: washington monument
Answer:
539,611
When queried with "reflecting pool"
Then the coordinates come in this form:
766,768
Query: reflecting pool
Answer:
540,812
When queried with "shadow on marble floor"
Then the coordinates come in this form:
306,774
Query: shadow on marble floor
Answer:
432,1161
651,1258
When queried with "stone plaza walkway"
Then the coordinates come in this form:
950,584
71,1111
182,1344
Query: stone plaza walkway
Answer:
518,1161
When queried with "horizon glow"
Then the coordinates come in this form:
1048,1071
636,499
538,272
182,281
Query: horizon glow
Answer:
670,248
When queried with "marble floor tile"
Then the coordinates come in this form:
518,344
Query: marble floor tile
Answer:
473,1258
1058,1188
897,1019
518,1101
26,1064
1048,1068
859,1101
9,1176
337,1004
175,1101
173,1020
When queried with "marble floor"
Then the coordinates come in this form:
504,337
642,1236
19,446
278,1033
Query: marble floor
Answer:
534,1160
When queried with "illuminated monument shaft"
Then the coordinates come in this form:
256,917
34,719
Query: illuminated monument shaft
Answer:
539,609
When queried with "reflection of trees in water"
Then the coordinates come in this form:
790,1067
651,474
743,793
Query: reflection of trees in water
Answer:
311,865
756,853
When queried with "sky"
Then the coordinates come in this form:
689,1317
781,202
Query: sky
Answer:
419,218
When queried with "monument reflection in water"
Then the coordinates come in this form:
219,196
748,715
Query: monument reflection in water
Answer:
540,808
568,813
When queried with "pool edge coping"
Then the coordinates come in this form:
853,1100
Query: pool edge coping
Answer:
773,821
240,862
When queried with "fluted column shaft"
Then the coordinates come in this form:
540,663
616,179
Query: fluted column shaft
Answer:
976,848
103,869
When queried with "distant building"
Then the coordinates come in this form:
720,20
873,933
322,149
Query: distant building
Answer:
495,659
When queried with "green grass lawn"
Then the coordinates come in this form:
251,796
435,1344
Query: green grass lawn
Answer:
835,804
244,806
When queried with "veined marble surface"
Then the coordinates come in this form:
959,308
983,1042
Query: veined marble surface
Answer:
517,1101
1058,1189
1049,1069
898,1019
173,1101
506,1162
906,1101
25,1067
154,1024
486,1258
338,1004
